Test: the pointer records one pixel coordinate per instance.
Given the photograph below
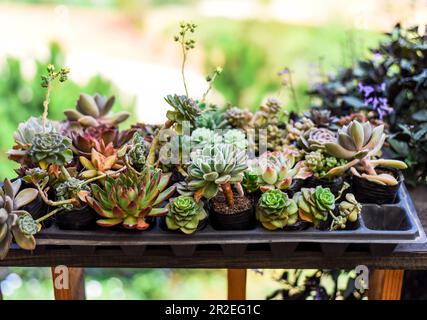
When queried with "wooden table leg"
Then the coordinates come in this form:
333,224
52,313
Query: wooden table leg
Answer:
68,283
385,284
236,284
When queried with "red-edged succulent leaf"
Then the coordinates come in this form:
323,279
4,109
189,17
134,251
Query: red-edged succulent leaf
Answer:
101,211
158,212
164,181
108,222
164,195
141,224
119,213
130,222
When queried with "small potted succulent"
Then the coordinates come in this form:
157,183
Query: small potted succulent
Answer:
277,170
131,199
318,206
186,215
276,211
374,180
15,223
216,168
320,164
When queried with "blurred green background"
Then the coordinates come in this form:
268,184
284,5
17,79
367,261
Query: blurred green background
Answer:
125,47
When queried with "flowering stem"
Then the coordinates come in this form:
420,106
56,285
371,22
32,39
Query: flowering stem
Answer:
46,105
184,60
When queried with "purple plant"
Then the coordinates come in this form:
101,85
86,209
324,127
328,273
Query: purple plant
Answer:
374,98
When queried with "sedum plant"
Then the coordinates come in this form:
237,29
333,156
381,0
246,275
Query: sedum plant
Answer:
349,210
16,223
315,204
185,214
360,142
216,167
276,170
320,165
131,198
276,211
238,118
72,188
92,111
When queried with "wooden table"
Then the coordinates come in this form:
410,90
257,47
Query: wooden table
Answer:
386,272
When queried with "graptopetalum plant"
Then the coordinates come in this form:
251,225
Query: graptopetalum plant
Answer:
131,198
15,223
185,214
359,143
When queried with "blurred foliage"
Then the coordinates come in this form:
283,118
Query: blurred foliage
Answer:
252,52
120,283
21,97
108,3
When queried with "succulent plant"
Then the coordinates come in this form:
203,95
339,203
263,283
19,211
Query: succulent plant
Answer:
184,109
297,129
349,210
130,198
185,214
15,223
359,142
27,130
314,204
50,148
95,137
276,211
319,164
238,118
213,167
236,138
92,111
212,119
201,137
250,182
138,151
320,117
100,163
72,188
276,170
316,138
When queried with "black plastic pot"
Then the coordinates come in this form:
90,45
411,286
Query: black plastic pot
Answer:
334,185
370,192
325,225
162,223
83,218
296,186
244,220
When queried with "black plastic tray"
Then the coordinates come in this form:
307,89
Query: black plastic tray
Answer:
374,233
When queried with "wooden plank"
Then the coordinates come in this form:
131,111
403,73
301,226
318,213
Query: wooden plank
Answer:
157,258
236,280
385,284
68,283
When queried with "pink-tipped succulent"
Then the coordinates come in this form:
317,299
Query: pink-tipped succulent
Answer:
101,162
92,111
277,170
131,198
359,143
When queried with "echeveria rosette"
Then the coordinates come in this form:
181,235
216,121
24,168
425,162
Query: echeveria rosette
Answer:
130,198
27,130
276,170
250,182
316,138
314,204
72,188
237,138
201,137
184,109
185,214
51,148
14,222
214,166
276,211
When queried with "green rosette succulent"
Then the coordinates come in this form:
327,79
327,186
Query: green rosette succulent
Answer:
51,148
184,109
250,182
236,138
276,211
185,214
138,150
16,223
214,166
27,130
315,204
202,137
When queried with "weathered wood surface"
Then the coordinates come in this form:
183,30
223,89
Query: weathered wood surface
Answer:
236,279
385,284
68,283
